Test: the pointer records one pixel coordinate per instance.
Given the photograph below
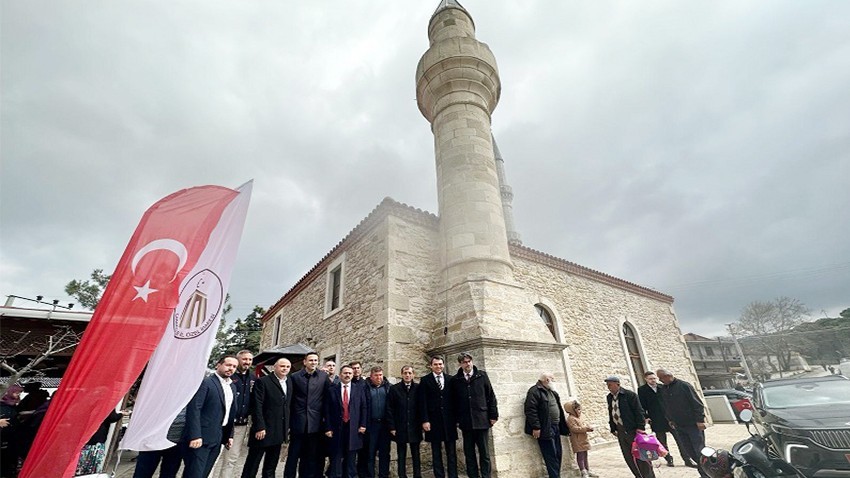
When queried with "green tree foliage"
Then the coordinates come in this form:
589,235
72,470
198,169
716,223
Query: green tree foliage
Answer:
768,329
88,292
243,334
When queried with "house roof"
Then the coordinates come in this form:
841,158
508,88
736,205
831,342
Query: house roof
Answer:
391,207
691,337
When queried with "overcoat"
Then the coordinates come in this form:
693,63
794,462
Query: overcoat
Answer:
307,403
270,411
630,411
653,407
537,412
578,429
475,401
403,413
435,407
357,413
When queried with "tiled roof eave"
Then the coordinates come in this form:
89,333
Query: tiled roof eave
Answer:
387,207
539,257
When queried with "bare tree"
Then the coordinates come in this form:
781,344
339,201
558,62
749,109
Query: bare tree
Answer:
770,326
63,339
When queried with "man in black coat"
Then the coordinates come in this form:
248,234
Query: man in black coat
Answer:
346,417
403,422
542,404
685,413
270,420
209,420
652,403
476,413
309,386
625,417
437,415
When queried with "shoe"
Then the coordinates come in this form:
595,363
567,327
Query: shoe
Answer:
670,462
584,474
690,464
592,474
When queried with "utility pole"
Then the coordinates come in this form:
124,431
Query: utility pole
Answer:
741,353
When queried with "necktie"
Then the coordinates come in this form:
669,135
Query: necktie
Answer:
467,377
615,412
345,416
440,381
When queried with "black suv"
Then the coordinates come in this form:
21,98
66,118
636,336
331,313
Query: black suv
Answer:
807,420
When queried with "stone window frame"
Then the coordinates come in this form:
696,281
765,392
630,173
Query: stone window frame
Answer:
554,328
557,321
637,381
276,329
337,264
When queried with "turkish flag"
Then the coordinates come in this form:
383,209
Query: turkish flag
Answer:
137,309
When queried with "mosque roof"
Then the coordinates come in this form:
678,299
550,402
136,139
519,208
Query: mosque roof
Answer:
391,207
444,4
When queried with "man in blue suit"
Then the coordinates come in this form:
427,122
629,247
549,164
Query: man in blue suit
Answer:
346,417
209,420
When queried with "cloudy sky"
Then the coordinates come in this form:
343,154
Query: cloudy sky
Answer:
701,149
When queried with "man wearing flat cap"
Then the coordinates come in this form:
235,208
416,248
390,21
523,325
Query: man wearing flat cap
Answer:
625,417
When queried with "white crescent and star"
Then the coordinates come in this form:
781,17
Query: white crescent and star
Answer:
142,292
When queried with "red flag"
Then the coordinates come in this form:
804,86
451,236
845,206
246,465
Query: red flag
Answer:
127,325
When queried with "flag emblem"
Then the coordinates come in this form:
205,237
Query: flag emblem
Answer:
200,303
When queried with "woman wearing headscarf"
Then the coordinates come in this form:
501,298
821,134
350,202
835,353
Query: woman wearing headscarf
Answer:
8,424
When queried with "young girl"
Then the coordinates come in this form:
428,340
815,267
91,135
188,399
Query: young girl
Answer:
578,436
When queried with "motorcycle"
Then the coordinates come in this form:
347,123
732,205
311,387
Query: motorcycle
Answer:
749,458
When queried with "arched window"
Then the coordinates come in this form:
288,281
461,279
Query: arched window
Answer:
547,319
634,352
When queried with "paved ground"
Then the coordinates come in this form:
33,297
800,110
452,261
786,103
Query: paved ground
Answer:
604,460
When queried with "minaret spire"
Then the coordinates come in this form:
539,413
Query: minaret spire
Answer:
507,196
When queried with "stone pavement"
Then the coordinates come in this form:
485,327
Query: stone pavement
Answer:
605,460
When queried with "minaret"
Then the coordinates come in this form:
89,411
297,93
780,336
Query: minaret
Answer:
487,311
507,196
457,88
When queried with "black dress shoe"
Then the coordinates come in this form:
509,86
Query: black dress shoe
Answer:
670,463
690,464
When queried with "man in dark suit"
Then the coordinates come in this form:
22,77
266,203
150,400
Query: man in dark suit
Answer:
209,420
653,405
270,420
346,417
437,415
377,433
403,422
476,412
625,417
309,386
686,414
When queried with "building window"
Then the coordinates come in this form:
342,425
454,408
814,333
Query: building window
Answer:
634,353
335,295
276,337
709,351
547,319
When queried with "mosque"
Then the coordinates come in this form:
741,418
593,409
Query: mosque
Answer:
405,284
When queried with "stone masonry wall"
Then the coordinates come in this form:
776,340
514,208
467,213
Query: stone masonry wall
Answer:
590,315
359,329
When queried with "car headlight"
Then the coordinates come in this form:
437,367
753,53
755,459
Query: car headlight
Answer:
792,450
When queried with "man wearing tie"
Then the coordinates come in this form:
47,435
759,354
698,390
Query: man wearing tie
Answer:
437,418
346,416
270,420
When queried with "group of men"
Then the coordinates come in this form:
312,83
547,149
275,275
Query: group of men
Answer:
338,425
672,406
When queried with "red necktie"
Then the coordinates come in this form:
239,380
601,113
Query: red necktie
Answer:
345,416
